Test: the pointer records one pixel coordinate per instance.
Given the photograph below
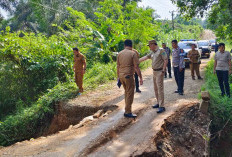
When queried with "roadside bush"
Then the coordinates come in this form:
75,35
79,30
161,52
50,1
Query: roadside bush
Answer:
99,74
30,122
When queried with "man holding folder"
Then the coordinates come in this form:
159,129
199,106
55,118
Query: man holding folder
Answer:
127,65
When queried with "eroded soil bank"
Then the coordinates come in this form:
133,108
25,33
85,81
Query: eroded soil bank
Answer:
182,135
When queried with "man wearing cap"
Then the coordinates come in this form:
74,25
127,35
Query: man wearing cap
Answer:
127,64
159,64
194,57
79,68
178,66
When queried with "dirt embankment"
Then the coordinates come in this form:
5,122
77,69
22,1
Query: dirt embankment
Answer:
182,135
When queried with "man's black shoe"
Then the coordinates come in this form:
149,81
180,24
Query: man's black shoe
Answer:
130,115
155,106
170,76
181,93
200,78
176,91
161,109
165,76
138,91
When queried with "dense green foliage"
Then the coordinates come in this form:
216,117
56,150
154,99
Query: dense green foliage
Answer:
31,121
36,68
219,14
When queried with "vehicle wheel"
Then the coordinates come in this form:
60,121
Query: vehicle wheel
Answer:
208,56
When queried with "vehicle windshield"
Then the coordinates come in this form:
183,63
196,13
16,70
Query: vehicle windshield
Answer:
212,41
203,44
185,45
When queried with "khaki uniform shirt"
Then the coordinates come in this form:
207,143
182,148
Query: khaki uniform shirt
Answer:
193,56
126,61
79,61
222,60
158,57
137,53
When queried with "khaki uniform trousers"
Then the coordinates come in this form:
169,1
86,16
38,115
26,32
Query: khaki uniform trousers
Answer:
79,80
158,79
195,67
129,86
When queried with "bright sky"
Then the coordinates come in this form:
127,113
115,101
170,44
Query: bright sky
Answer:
3,12
162,7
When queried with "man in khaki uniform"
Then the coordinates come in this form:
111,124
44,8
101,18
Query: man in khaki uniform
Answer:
79,68
194,56
159,64
127,64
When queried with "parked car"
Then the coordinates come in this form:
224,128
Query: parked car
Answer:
212,44
204,45
187,46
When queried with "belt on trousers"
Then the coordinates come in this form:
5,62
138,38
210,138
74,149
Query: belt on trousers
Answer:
158,69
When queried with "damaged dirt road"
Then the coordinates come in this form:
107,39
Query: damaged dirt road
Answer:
112,134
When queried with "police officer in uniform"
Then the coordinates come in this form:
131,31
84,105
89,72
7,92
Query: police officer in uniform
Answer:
79,68
159,64
178,66
127,64
194,57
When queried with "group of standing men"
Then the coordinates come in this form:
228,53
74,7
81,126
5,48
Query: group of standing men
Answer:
128,68
128,63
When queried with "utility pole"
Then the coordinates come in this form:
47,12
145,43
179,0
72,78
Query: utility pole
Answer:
172,12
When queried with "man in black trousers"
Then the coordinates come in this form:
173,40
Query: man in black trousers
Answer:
136,75
178,66
168,52
222,67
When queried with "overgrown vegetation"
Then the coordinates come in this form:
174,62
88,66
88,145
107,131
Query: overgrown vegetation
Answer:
218,13
220,107
30,121
36,66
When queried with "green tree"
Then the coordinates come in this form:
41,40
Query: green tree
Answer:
219,16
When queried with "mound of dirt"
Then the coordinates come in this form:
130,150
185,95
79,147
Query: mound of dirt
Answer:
181,135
